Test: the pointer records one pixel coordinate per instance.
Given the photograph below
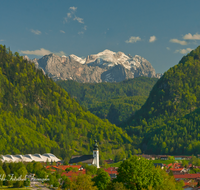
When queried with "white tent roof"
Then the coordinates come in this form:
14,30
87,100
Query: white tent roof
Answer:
29,158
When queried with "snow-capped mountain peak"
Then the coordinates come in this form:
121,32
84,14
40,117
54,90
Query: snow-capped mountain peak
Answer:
106,52
78,59
104,66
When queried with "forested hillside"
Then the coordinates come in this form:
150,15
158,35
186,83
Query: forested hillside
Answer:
168,122
36,115
113,101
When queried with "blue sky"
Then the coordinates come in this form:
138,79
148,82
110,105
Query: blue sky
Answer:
160,31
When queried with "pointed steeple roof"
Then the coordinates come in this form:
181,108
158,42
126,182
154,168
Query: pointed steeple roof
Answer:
95,145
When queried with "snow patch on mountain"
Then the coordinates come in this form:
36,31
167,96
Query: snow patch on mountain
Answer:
78,59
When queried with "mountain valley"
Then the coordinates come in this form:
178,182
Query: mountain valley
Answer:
32,103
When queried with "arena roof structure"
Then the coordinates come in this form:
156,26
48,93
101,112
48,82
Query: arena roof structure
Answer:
30,157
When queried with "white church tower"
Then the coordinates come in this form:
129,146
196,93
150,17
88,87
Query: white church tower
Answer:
96,154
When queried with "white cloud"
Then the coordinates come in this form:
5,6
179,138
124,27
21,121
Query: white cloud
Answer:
80,20
152,39
1,40
81,32
71,15
62,31
73,8
178,41
133,39
167,48
183,51
37,32
61,53
84,29
192,37
41,52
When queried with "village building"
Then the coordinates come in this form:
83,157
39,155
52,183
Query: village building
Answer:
110,161
88,159
30,157
182,157
163,157
148,157
112,171
195,177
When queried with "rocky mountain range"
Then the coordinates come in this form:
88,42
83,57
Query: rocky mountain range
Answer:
106,66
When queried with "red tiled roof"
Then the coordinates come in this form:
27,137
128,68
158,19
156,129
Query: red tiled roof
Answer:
175,165
111,170
176,169
63,167
187,176
190,183
72,173
170,164
51,167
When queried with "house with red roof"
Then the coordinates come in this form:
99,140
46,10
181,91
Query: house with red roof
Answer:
110,161
177,171
189,185
63,167
187,176
71,174
112,171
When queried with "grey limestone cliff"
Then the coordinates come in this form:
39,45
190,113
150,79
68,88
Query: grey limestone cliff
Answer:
105,66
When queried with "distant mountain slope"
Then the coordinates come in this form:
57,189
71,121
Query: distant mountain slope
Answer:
106,66
169,120
118,109
113,101
38,115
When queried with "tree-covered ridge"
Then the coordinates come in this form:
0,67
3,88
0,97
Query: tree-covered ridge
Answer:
118,109
169,121
178,90
32,100
113,101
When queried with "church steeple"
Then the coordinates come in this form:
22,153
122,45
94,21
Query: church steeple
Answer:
96,154
95,145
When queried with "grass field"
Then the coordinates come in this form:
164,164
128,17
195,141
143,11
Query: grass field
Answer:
11,188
